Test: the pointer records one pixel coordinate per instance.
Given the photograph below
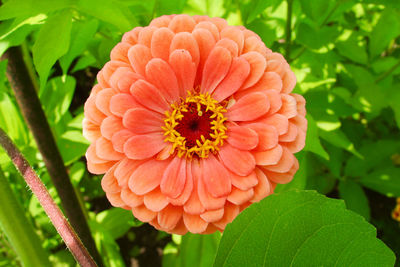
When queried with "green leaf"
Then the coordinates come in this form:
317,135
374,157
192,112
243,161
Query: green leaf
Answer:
57,96
387,28
315,38
52,43
170,7
81,34
301,228
198,250
353,50
19,229
385,181
313,143
72,146
317,10
355,198
116,221
28,8
394,103
255,8
339,139
112,12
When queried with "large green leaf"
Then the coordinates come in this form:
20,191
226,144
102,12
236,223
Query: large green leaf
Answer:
301,228
116,221
313,143
52,43
27,8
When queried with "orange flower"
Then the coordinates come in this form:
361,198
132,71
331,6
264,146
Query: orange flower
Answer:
192,121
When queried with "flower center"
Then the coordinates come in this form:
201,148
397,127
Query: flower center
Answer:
195,126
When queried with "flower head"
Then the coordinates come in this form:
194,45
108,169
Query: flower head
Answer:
191,121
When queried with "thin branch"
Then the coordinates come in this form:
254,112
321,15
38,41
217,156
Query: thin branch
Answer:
65,230
388,72
31,108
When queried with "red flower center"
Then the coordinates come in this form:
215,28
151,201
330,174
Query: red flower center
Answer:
192,126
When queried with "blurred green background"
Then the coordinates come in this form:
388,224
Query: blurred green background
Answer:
345,54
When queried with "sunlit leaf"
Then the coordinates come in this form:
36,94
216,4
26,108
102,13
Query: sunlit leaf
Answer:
355,198
287,229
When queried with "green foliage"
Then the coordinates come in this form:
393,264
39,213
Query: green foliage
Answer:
287,229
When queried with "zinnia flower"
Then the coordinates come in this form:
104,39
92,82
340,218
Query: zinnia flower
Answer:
191,121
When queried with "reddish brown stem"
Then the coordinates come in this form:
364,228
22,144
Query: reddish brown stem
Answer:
31,108
67,233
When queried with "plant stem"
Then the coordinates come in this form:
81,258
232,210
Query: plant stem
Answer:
18,229
289,27
388,72
65,230
31,108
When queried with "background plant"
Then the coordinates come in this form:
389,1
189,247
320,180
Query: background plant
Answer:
346,56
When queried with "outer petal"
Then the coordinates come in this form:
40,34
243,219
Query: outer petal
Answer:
161,42
138,56
242,137
240,162
257,66
249,107
147,176
142,121
149,96
144,146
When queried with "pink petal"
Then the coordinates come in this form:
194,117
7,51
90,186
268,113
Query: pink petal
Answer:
299,143
248,108
119,139
215,69
283,178
257,67
238,161
144,146
184,68
291,134
138,56
219,22
275,100
237,74
231,211
91,131
99,168
155,200
105,150
206,42
269,157
109,68
131,37
187,190
169,217
115,199
186,41
143,214
125,81
174,178
209,27
147,176
289,81
254,44
239,197
193,205
109,182
120,52
92,112
206,199
130,198
165,152
301,103
215,177
149,96
289,106
161,42
146,35
162,21
110,125
268,81
284,164
159,73
194,223
267,135
300,122
124,170
230,45
280,122
244,182
212,215
242,137
234,34
182,23
120,103
142,121
263,188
